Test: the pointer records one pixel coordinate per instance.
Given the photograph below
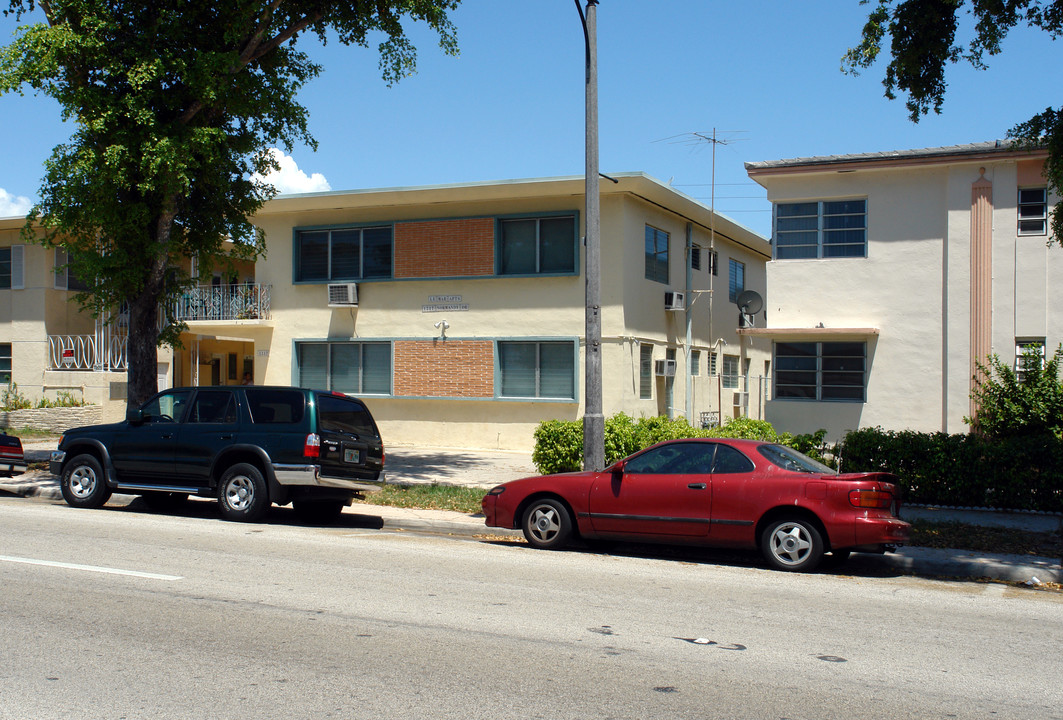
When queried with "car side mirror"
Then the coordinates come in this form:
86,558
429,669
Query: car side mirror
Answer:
134,416
617,468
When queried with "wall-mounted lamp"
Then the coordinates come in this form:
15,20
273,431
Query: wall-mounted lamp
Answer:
442,326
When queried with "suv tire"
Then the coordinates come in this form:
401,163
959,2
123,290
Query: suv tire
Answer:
83,484
242,494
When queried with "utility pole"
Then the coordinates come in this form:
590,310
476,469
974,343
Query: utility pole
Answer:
593,419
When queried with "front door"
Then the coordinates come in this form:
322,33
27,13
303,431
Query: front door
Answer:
663,491
145,451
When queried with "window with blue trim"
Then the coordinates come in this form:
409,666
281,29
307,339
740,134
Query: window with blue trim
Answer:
827,229
537,246
347,367
344,254
736,280
537,369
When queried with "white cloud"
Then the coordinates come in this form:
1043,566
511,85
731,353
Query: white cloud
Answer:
13,205
290,179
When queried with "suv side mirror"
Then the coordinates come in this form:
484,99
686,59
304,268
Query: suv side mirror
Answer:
134,416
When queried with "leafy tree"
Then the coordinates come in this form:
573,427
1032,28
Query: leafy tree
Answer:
1028,402
175,104
923,43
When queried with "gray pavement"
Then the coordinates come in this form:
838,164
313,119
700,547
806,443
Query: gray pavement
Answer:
484,469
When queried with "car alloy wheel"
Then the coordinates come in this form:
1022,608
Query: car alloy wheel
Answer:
792,545
547,524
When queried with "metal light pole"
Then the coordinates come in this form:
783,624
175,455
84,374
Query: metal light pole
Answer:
593,420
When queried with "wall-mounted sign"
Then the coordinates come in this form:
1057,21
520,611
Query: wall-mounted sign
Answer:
444,303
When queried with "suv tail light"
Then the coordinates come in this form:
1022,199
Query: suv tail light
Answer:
312,448
870,499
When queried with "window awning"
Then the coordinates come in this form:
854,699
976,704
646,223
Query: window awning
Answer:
829,333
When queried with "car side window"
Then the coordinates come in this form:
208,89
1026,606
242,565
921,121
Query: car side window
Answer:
674,459
213,406
275,406
166,407
729,460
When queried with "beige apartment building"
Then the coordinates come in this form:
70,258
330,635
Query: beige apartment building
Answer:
894,273
456,312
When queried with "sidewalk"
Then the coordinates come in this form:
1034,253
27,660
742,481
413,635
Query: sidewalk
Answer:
484,469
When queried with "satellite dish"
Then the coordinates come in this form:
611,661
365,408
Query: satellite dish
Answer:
750,302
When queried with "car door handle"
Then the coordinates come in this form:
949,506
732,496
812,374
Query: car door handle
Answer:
227,436
697,486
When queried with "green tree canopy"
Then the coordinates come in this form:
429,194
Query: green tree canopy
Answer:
923,42
175,104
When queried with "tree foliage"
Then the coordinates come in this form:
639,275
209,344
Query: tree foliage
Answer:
1024,403
923,42
175,104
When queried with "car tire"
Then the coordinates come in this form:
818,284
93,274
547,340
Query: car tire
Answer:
83,484
792,544
242,494
318,512
547,524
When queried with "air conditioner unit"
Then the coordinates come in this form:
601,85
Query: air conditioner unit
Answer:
342,294
741,399
664,368
674,300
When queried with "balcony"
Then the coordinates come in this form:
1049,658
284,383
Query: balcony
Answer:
245,301
104,351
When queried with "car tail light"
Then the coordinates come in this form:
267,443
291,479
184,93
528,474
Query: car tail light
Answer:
870,499
312,448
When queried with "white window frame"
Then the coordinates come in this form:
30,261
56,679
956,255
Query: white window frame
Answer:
1033,214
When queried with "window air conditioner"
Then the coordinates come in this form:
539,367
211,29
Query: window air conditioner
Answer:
674,300
741,399
664,368
342,294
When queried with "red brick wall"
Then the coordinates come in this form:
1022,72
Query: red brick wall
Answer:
445,248
444,368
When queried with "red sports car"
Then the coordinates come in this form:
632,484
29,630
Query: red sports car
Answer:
718,492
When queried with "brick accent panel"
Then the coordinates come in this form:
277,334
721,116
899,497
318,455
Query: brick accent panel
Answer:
444,368
445,248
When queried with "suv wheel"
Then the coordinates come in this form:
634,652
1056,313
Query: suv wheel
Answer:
83,484
242,494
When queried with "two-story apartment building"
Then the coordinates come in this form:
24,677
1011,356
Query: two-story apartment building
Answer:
893,274
458,312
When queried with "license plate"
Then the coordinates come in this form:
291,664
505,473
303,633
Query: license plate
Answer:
351,456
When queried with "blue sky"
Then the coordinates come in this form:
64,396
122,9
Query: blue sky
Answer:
764,73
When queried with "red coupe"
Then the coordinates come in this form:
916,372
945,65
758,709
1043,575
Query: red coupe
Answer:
718,492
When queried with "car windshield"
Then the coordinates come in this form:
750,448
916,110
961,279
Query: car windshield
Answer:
789,459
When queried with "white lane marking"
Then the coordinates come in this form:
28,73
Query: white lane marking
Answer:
90,568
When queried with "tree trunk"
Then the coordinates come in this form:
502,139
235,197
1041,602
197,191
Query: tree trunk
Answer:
143,349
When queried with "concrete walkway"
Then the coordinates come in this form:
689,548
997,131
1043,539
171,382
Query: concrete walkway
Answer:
484,469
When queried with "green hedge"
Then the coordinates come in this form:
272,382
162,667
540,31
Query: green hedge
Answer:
1021,473
559,443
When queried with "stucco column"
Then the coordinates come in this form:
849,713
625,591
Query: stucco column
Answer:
981,276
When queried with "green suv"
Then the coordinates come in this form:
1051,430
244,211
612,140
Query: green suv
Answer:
249,447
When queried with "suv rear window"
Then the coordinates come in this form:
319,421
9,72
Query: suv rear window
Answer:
269,405
340,414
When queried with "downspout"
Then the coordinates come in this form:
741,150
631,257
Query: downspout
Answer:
689,312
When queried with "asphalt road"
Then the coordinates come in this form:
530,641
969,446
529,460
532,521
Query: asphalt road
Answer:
115,613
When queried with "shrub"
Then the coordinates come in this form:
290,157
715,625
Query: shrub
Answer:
559,443
1016,473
